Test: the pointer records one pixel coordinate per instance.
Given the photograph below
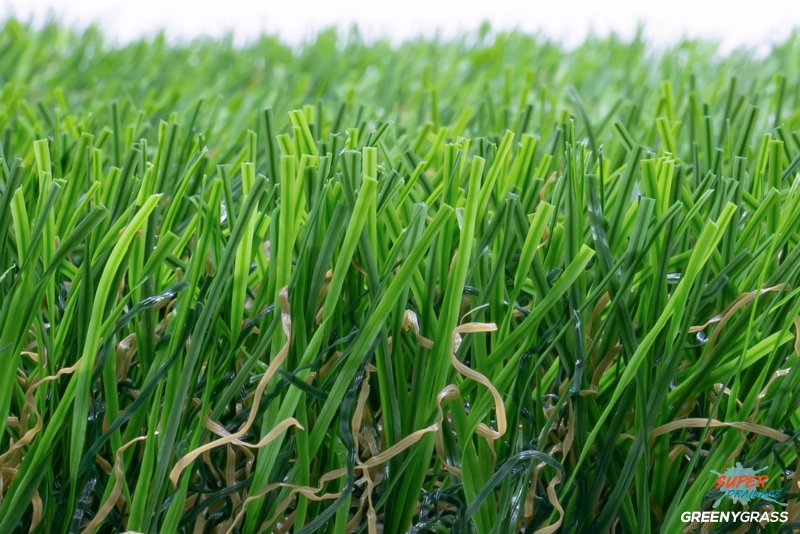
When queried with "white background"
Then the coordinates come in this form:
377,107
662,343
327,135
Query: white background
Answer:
735,23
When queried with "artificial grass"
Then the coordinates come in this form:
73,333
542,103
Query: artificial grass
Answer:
474,285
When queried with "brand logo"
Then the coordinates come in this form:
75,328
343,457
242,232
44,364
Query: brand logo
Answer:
741,485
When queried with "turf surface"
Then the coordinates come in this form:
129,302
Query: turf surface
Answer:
476,285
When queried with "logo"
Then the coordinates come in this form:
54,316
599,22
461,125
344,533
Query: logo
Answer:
741,485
